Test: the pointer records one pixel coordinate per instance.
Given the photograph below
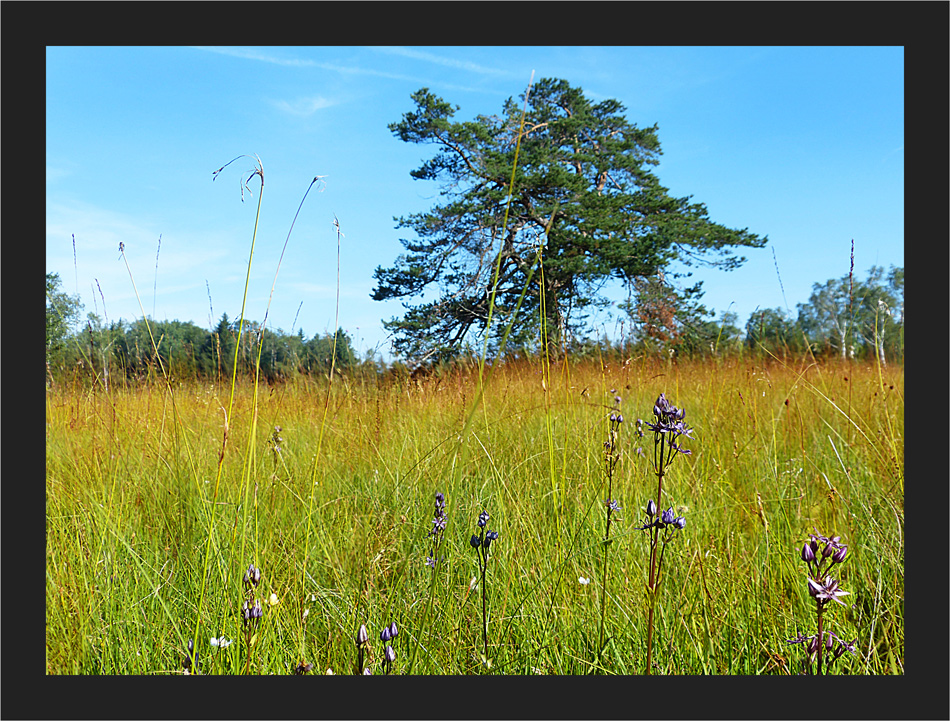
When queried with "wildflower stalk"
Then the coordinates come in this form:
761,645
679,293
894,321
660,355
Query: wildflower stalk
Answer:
251,611
259,173
667,428
362,636
437,533
820,555
481,542
654,536
611,457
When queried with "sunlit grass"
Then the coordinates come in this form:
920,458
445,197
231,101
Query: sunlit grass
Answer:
777,450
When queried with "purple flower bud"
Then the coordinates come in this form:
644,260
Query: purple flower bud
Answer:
668,516
385,635
362,636
393,631
474,541
483,519
808,555
252,576
829,642
192,658
651,508
680,523
390,654
827,551
813,646
840,554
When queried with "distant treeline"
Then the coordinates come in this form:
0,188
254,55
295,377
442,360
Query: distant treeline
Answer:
844,318
123,351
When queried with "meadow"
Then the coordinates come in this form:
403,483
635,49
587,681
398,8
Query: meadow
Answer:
184,538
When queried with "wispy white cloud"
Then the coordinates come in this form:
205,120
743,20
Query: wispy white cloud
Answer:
254,54
53,174
260,56
456,63
98,265
327,291
303,106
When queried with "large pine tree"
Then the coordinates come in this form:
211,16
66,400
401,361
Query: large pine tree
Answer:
585,209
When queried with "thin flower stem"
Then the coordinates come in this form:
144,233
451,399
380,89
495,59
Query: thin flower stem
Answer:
655,540
603,599
484,558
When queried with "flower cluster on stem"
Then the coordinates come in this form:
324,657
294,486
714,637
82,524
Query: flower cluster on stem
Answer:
481,542
388,634
251,610
668,428
611,505
362,636
437,531
820,555
274,442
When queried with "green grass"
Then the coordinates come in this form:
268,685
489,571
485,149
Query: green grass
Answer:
338,521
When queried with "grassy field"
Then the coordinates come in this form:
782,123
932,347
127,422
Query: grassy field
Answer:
157,503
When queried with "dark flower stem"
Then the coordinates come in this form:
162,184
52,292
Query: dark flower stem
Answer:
612,456
482,552
651,586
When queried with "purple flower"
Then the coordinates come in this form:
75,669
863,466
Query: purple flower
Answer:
362,636
826,590
845,646
669,419
800,638
252,576
808,554
438,525
483,519
251,614
668,516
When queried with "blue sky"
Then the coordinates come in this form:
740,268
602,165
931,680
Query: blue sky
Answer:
804,145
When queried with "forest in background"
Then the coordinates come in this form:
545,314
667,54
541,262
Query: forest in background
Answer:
844,318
